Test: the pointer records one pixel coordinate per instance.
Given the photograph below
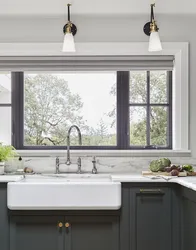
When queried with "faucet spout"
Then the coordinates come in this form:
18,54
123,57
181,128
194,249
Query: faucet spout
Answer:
68,162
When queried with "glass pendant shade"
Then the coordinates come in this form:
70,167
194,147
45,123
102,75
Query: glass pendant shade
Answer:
154,42
68,44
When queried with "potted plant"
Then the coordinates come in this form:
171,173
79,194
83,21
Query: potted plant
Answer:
6,152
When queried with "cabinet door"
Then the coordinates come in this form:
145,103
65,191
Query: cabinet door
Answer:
4,224
189,224
92,233
36,233
150,219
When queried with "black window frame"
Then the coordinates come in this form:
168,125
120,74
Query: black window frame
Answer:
123,81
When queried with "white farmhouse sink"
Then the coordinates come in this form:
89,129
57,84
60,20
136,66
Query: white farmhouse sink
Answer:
78,177
64,192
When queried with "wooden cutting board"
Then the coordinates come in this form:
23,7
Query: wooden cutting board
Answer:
181,174
191,173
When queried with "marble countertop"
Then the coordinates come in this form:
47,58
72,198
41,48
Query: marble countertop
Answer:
10,178
189,182
130,177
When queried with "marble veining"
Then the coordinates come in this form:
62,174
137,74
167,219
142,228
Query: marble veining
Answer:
104,164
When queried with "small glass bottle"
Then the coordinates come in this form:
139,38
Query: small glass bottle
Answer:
20,168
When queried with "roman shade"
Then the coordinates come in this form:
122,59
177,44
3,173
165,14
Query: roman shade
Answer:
86,63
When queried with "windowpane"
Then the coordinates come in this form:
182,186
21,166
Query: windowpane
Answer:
5,88
158,126
138,86
5,125
158,86
138,126
55,101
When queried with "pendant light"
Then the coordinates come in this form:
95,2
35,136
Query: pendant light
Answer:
151,29
69,30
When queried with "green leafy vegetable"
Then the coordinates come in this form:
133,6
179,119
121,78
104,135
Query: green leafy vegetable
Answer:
159,165
188,168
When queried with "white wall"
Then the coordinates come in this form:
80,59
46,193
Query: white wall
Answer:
96,28
5,125
45,7
5,97
110,28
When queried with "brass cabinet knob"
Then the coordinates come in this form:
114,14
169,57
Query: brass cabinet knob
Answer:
67,224
60,225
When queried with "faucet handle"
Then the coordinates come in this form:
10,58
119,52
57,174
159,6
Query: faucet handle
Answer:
79,161
57,160
57,165
94,170
94,159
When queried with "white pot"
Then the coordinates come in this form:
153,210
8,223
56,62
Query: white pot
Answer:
2,167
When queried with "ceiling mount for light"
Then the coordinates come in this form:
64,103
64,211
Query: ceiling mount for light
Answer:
151,29
69,30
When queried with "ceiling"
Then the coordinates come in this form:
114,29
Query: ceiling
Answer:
58,7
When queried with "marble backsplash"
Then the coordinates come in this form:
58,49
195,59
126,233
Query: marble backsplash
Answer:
104,164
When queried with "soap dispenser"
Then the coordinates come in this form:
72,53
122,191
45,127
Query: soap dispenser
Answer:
20,168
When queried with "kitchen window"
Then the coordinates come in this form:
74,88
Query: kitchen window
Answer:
113,109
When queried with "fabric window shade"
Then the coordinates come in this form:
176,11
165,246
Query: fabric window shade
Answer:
86,63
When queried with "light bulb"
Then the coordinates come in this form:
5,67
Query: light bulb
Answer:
68,44
154,42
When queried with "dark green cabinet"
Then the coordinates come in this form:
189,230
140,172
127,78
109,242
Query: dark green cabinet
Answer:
92,233
189,219
153,216
36,233
75,232
4,222
150,218
176,217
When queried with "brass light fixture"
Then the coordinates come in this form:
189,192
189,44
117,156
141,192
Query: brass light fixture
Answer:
151,29
69,30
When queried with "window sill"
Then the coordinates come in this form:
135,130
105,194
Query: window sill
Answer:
106,153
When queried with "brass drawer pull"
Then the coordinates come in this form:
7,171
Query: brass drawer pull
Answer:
151,191
67,224
60,225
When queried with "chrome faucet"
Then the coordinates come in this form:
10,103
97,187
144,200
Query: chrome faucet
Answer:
68,162
79,163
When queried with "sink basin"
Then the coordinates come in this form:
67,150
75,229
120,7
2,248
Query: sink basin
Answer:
64,192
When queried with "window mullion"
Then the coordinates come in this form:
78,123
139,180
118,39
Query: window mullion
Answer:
17,109
123,140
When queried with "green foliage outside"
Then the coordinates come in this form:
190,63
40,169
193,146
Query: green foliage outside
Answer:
51,108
